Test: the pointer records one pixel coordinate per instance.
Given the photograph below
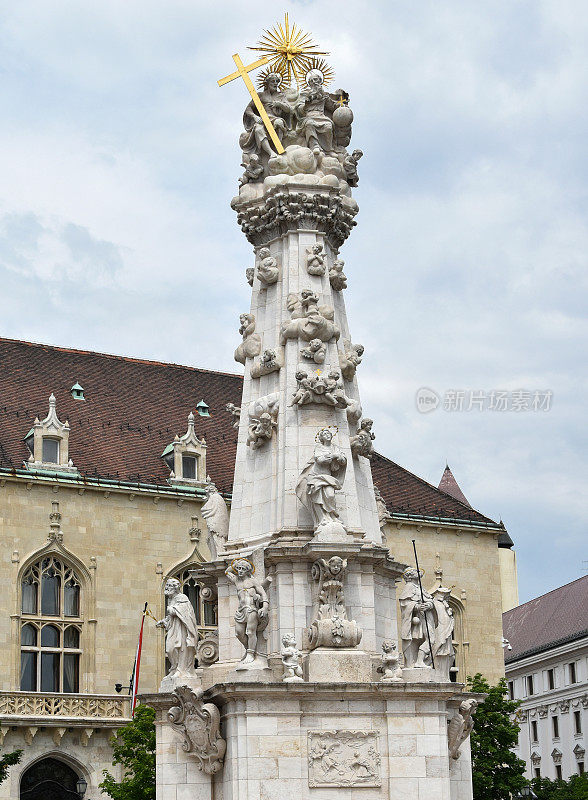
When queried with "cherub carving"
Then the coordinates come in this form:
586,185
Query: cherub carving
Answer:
290,660
316,351
361,443
350,167
460,726
315,260
308,319
269,362
260,430
390,670
350,358
250,274
235,412
303,394
253,170
337,277
251,344
267,269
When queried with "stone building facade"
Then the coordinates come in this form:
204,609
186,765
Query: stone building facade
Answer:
547,670
103,470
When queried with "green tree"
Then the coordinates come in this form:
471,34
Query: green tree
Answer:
497,773
134,749
8,760
574,789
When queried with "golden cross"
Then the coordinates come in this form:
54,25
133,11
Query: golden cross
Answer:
243,72
341,101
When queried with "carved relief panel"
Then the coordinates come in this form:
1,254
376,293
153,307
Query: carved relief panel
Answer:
344,758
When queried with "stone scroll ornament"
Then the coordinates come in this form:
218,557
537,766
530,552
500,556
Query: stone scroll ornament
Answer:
251,344
251,617
199,724
460,726
331,627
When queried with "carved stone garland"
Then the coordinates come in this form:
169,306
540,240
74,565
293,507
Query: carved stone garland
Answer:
198,723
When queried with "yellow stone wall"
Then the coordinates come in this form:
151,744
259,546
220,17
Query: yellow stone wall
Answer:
468,562
136,540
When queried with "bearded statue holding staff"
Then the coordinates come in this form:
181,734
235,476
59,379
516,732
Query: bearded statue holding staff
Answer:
181,631
417,612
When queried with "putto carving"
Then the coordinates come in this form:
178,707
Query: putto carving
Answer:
343,758
291,660
263,420
320,388
251,344
350,167
268,271
337,277
253,170
216,515
235,412
269,362
308,319
350,358
199,724
415,615
181,630
251,617
361,442
460,726
250,275
321,477
315,351
315,260
390,670
331,628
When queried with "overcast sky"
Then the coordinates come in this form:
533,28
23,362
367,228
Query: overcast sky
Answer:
467,271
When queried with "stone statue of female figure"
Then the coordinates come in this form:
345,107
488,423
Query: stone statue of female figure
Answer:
315,125
181,631
320,479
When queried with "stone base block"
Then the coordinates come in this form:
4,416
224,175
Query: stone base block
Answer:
421,675
168,684
338,666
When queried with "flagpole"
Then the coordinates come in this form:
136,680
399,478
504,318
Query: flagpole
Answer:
134,685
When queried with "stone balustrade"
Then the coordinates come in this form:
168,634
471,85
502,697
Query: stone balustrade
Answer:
88,707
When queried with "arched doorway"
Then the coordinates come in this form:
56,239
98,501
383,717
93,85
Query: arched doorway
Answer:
49,779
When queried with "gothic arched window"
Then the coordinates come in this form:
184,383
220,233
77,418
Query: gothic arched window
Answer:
205,610
51,627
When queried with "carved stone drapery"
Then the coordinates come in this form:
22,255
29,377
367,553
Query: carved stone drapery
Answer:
343,758
198,723
331,627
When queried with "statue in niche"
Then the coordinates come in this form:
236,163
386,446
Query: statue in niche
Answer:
337,277
216,515
269,362
361,442
255,139
268,271
253,170
443,652
250,275
291,660
331,627
315,351
235,412
350,167
181,638
416,613
321,477
315,260
251,344
460,726
311,108
350,358
251,617
308,319
390,670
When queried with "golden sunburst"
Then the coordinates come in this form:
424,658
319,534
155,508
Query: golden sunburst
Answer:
289,50
316,62
271,70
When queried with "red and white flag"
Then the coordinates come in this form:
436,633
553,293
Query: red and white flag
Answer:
136,668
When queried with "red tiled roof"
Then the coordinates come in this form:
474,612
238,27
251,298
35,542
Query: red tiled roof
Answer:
449,485
554,618
133,410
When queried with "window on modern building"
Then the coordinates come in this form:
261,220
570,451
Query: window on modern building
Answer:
572,672
580,767
577,722
50,646
555,727
534,736
189,467
530,688
558,772
537,772
50,450
511,690
550,679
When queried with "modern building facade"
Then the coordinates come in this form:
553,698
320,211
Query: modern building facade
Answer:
547,670
104,462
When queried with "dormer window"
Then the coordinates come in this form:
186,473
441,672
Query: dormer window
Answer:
186,457
48,442
77,391
202,409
